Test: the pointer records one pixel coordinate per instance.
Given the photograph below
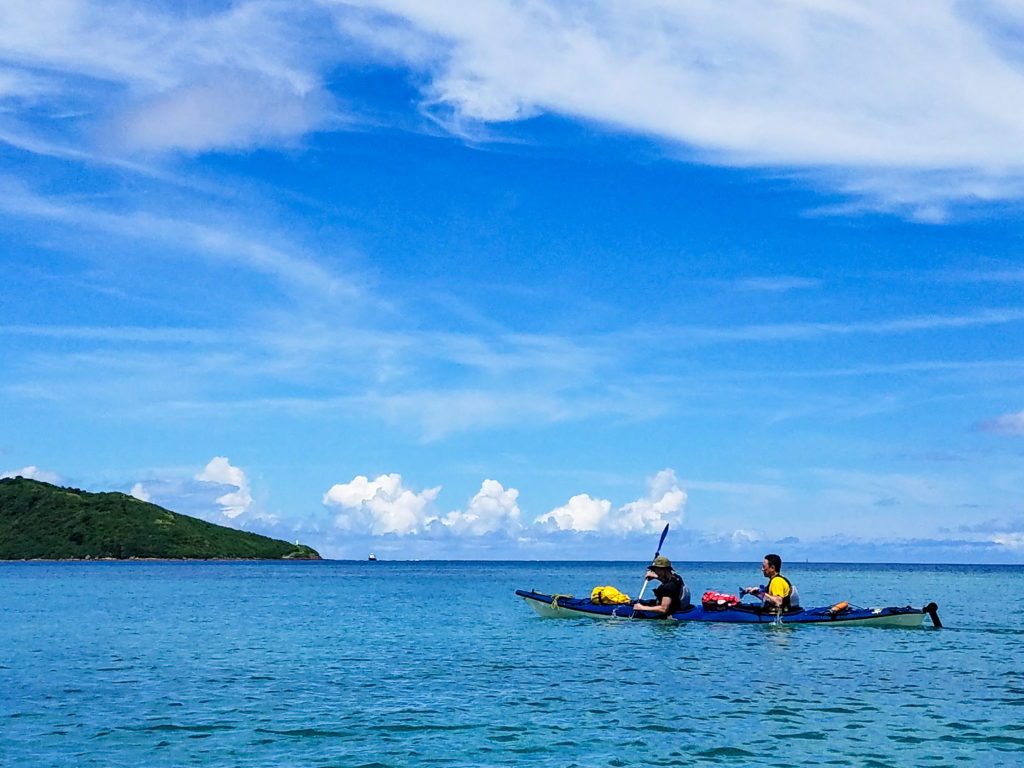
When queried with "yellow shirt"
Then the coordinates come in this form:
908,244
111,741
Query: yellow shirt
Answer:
778,587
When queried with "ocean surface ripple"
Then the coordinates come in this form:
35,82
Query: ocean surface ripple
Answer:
388,664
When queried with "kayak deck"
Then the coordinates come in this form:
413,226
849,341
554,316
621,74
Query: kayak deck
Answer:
567,606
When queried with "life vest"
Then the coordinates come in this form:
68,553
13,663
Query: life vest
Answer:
608,596
792,600
683,593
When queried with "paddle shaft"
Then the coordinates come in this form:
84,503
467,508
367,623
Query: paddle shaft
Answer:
657,552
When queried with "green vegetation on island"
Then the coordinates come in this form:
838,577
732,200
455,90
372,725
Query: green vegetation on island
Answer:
39,521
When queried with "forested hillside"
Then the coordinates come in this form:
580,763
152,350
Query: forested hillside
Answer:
43,521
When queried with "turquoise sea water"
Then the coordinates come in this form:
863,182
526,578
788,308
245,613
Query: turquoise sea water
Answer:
439,664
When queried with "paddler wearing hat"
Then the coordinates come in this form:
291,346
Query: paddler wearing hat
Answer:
671,595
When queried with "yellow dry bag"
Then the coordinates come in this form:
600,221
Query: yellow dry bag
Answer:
608,596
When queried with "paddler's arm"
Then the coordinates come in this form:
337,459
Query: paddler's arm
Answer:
638,606
764,593
661,607
775,601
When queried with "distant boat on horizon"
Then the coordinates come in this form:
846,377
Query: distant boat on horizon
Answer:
372,556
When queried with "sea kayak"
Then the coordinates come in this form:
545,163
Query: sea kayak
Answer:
567,606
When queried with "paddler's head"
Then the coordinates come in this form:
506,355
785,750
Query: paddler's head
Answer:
661,568
771,566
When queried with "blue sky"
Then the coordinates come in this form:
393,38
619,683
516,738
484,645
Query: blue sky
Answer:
526,280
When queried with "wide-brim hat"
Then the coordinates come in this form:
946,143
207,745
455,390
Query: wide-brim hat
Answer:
661,562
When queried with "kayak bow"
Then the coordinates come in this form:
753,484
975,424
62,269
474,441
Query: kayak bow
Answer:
567,606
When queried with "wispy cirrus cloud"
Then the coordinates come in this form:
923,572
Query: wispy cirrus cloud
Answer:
1009,276
243,75
233,110
731,78
900,107
879,327
487,380
214,243
118,335
1007,424
775,284
870,91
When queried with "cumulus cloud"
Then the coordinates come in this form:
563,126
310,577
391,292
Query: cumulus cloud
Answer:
582,513
385,506
220,493
220,471
139,492
492,509
742,537
381,506
1007,424
34,473
664,503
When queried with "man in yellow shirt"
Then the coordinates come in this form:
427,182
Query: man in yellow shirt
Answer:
780,593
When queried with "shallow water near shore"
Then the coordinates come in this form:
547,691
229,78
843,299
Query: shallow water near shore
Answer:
439,664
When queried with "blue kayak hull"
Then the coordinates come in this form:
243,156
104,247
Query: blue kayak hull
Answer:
566,606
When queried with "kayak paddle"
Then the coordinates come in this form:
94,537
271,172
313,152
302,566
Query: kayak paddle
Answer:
658,552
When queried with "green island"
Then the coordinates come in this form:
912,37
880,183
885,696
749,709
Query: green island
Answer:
39,521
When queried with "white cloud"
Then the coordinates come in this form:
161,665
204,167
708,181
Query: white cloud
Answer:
804,82
219,494
233,503
778,284
1007,424
384,506
493,509
140,493
913,86
212,240
900,104
34,473
663,504
440,412
815,330
742,537
381,506
582,513
226,111
245,75
1012,541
